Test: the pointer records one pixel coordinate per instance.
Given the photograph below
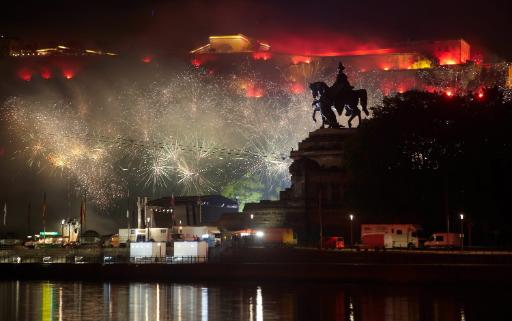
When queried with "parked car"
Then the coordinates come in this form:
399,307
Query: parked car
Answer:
333,242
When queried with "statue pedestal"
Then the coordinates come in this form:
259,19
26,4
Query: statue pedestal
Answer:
316,193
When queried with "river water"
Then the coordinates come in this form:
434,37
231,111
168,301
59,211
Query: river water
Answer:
39,300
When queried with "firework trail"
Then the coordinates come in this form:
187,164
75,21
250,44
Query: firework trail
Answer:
185,134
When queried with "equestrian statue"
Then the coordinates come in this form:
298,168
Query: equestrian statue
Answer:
341,95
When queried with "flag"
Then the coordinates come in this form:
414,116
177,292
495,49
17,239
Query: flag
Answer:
5,214
173,215
85,212
45,208
173,201
29,230
81,214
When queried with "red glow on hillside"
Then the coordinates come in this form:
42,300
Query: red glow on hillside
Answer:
448,58
68,73
196,62
46,73
323,43
261,55
430,89
300,59
252,91
147,59
478,58
360,52
448,61
296,88
25,74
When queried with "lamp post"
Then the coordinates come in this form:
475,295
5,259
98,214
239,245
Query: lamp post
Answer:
461,231
351,217
128,218
148,221
62,229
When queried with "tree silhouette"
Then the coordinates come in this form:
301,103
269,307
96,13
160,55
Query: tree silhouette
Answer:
426,156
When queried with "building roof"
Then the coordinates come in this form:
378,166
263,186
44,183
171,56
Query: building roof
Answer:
206,200
231,44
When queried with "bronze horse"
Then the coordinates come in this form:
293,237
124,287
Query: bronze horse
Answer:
340,98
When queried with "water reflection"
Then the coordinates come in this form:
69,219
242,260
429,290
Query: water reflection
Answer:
51,301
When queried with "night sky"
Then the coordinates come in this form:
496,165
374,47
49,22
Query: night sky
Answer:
177,26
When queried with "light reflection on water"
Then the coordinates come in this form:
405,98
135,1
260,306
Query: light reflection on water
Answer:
58,301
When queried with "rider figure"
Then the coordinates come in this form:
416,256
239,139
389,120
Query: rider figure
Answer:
343,86
342,79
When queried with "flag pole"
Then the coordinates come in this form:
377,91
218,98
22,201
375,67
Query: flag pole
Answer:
44,214
28,219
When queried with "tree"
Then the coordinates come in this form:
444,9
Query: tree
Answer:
245,190
424,156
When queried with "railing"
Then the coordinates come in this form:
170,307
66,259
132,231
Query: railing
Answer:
21,259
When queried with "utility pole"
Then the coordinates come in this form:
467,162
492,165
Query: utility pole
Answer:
351,216
320,218
44,214
200,210
461,231
139,214
28,220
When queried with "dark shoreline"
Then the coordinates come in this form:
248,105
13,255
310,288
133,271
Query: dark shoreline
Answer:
287,264
338,272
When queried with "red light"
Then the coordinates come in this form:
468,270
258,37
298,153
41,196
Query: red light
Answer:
297,88
480,95
147,59
68,74
300,59
253,92
46,73
450,57
448,62
261,55
25,74
449,93
196,62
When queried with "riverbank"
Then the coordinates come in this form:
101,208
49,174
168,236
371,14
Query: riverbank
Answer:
291,265
340,272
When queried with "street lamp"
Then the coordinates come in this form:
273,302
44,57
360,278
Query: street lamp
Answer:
148,221
62,229
461,231
351,216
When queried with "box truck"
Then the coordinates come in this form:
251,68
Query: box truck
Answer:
389,235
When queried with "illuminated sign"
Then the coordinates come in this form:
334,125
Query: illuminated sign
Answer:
49,233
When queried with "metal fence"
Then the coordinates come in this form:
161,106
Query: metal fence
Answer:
75,259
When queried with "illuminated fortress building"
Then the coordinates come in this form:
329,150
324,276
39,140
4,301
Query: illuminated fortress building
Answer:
445,66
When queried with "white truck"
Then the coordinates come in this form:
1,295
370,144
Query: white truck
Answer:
386,236
444,240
